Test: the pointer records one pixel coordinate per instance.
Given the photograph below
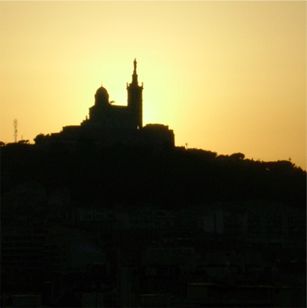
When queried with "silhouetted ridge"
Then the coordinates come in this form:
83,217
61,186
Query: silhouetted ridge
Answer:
173,177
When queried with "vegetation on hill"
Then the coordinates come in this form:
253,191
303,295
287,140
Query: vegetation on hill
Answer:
134,175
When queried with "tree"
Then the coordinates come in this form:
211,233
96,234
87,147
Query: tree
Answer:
237,155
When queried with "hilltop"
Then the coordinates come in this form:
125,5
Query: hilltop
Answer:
133,175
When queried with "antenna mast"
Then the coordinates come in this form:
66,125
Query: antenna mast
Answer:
15,130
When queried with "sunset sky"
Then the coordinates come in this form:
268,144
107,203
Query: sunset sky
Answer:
225,76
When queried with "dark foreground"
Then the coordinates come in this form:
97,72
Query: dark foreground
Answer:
137,227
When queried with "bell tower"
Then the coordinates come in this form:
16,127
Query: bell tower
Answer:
135,102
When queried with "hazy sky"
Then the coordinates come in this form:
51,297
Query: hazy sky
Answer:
225,76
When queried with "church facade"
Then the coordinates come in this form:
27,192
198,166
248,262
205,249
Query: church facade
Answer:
109,124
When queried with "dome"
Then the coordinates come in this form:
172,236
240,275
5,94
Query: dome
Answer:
101,96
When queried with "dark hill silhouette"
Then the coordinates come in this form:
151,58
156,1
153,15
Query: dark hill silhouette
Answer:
172,177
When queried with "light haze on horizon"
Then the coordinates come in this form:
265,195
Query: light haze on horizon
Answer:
225,76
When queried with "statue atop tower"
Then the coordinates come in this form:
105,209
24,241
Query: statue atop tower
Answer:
135,100
134,76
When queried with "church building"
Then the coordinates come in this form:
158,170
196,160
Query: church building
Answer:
109,124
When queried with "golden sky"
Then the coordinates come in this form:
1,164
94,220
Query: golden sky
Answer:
225,76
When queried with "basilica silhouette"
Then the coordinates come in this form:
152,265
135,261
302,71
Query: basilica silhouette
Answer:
109,124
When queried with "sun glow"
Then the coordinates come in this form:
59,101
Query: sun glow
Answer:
225,76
